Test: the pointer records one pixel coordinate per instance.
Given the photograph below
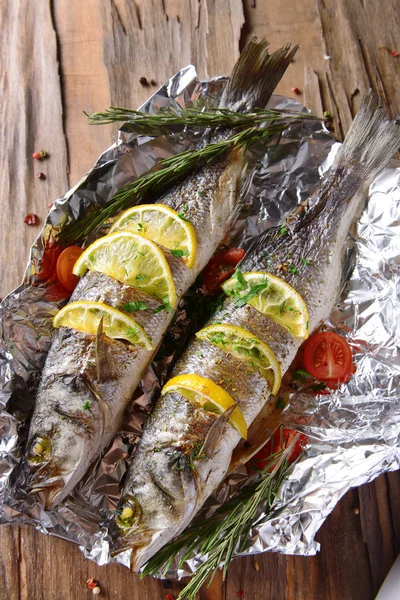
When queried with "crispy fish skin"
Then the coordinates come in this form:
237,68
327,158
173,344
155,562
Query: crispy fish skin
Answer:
316,231
88,380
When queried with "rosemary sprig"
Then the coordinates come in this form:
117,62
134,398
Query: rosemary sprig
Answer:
226,532
163,121
169,170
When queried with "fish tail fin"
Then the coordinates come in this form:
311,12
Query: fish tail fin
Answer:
255,76
372,139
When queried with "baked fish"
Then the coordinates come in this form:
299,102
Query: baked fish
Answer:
89,379
186,447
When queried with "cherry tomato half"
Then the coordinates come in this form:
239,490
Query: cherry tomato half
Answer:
220,268
328,356
283,437
65,264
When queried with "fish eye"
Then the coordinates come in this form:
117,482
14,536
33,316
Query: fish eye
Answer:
40,450
129,514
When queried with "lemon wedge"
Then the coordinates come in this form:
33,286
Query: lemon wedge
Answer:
272,297
132,259
162,225
247,347
86,316
207,394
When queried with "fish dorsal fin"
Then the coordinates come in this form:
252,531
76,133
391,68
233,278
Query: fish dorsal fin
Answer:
213,438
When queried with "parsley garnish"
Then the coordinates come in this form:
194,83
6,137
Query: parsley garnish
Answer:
132,332
179,252
241,282
280,405
293,269
306,261
164,306
283,230
86,406
254,290
132,306
182,216
141,228
140,277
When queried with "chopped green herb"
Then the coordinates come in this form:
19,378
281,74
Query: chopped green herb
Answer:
132,332
178,253
157,449
280,405
164,306
241,282
293,269
141,228
254,290
140,277
133,306
86,405
182,216
306,261
282,308
201,193
301,374
283,230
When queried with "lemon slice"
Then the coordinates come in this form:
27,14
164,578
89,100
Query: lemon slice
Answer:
132,259
86,316
272,297
162,225
247,347
209,395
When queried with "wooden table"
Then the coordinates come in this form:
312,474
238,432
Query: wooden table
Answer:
61,57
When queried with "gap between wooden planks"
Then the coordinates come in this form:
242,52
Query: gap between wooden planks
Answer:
103,48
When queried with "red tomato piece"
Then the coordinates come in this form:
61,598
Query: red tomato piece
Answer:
283,437
65,264
220,268
328,356
48,262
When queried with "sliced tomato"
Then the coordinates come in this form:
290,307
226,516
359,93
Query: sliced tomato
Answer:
220,268
47,267
282,438
328,356
65,264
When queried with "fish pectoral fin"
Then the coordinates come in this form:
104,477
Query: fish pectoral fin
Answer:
105,367
213,438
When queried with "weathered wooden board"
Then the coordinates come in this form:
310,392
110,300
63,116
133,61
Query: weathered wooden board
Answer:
60,58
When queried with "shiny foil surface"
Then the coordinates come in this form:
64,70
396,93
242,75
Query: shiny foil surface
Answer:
354,432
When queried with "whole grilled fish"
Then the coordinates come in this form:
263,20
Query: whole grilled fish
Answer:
176,467
88,380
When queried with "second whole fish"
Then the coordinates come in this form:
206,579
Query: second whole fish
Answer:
175,468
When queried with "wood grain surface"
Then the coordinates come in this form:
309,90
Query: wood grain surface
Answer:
59,58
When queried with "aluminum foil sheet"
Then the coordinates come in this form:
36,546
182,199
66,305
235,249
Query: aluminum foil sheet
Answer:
353,433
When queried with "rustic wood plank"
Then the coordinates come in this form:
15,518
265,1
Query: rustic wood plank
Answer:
9,557
30,119
84,83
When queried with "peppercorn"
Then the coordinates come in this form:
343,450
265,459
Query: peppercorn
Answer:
153,82
31,219
169,597
327,114
394,53
143,81
295,90
91,583
40,175
96,591
40,155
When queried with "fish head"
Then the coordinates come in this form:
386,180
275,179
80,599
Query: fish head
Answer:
159,502
59,451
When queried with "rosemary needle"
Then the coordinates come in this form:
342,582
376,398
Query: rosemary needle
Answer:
170,170
226,532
